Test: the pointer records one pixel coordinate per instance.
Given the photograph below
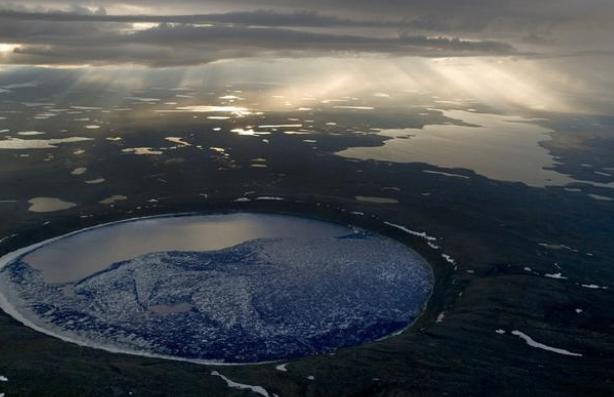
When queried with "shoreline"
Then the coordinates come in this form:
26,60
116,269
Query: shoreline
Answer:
411,240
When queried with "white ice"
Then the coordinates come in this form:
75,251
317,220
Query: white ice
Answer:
531,342
256,389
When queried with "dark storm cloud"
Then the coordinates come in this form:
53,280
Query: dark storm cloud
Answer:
54,32
254,18
188,44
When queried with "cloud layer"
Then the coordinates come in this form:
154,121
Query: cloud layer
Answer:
193,32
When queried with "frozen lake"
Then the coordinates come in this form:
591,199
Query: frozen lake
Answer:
234,288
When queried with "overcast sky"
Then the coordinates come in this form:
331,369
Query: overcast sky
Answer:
189,32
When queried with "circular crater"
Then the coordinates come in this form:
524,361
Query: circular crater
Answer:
231,288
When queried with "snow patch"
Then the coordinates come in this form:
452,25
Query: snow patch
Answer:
30,133
142,151
448,174
269,198
412,232
557,276
557,247
3,239
354,107
113,199
593,286
531,342
95,181
177,140
241,386
79,171
448,259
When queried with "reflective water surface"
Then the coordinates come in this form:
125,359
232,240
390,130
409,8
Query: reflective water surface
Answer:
82,254
501,147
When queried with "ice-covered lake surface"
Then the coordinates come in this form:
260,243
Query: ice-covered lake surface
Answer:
232,288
